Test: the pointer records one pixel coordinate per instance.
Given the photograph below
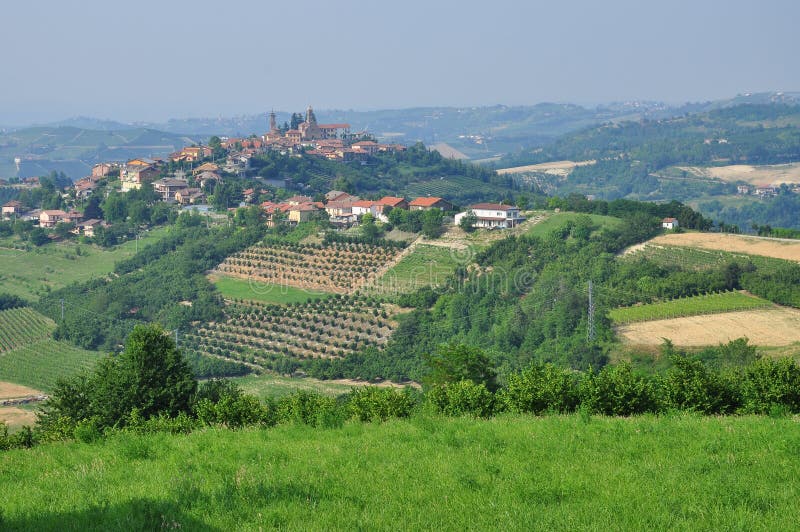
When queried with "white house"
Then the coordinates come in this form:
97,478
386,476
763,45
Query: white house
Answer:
669,223
493,215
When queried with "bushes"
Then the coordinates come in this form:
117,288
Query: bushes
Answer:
769,384
617,391
540,389
370,403
692,386
462,398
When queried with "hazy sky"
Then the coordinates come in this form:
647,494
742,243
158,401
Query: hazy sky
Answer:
148,60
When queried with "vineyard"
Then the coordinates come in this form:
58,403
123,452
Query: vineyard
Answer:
688,306
702,259
265,336
339,267
40,364
22,326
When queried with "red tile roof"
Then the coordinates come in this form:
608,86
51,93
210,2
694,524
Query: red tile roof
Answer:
391,201
425,202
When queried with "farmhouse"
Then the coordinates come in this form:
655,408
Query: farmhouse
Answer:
12,208
493,215
428,203
50,218
765,192
669,223
88,227
102,169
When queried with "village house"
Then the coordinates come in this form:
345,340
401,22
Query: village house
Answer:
206,167
669,223
168,186
102,169
11,209
766,191
394,202
190,196
362,207
133,176
428,203
493,215
49,218
743,189
88,227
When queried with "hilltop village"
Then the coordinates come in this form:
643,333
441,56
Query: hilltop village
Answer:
196,178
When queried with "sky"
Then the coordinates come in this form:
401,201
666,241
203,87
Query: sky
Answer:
150,60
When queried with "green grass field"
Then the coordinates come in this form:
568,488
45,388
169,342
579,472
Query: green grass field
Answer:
235,288
560,219
29,273
427,473
28,355
688,306
425,266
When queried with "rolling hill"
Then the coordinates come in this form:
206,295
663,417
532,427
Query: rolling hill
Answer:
74,150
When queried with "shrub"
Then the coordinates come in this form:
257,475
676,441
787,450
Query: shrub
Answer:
462,398
541,388
690,385
768,384
310,408
370,403
617,391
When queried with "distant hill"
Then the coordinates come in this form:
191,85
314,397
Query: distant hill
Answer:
643,159
74,150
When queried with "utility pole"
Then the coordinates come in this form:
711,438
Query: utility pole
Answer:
176,338
62,310
591,313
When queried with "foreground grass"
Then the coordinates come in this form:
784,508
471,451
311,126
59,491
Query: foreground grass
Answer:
31,273
512,472
688,306
234,288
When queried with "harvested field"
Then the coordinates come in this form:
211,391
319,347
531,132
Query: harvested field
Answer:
765,175
768,327
14,416
778,248
9,390
562,168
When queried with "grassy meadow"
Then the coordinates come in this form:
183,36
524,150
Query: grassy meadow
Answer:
265,386
235,288
31,271
427,265
559,220
508,473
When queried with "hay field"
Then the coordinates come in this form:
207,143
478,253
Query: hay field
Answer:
777,326
778,248
561,168
9,390
764,175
